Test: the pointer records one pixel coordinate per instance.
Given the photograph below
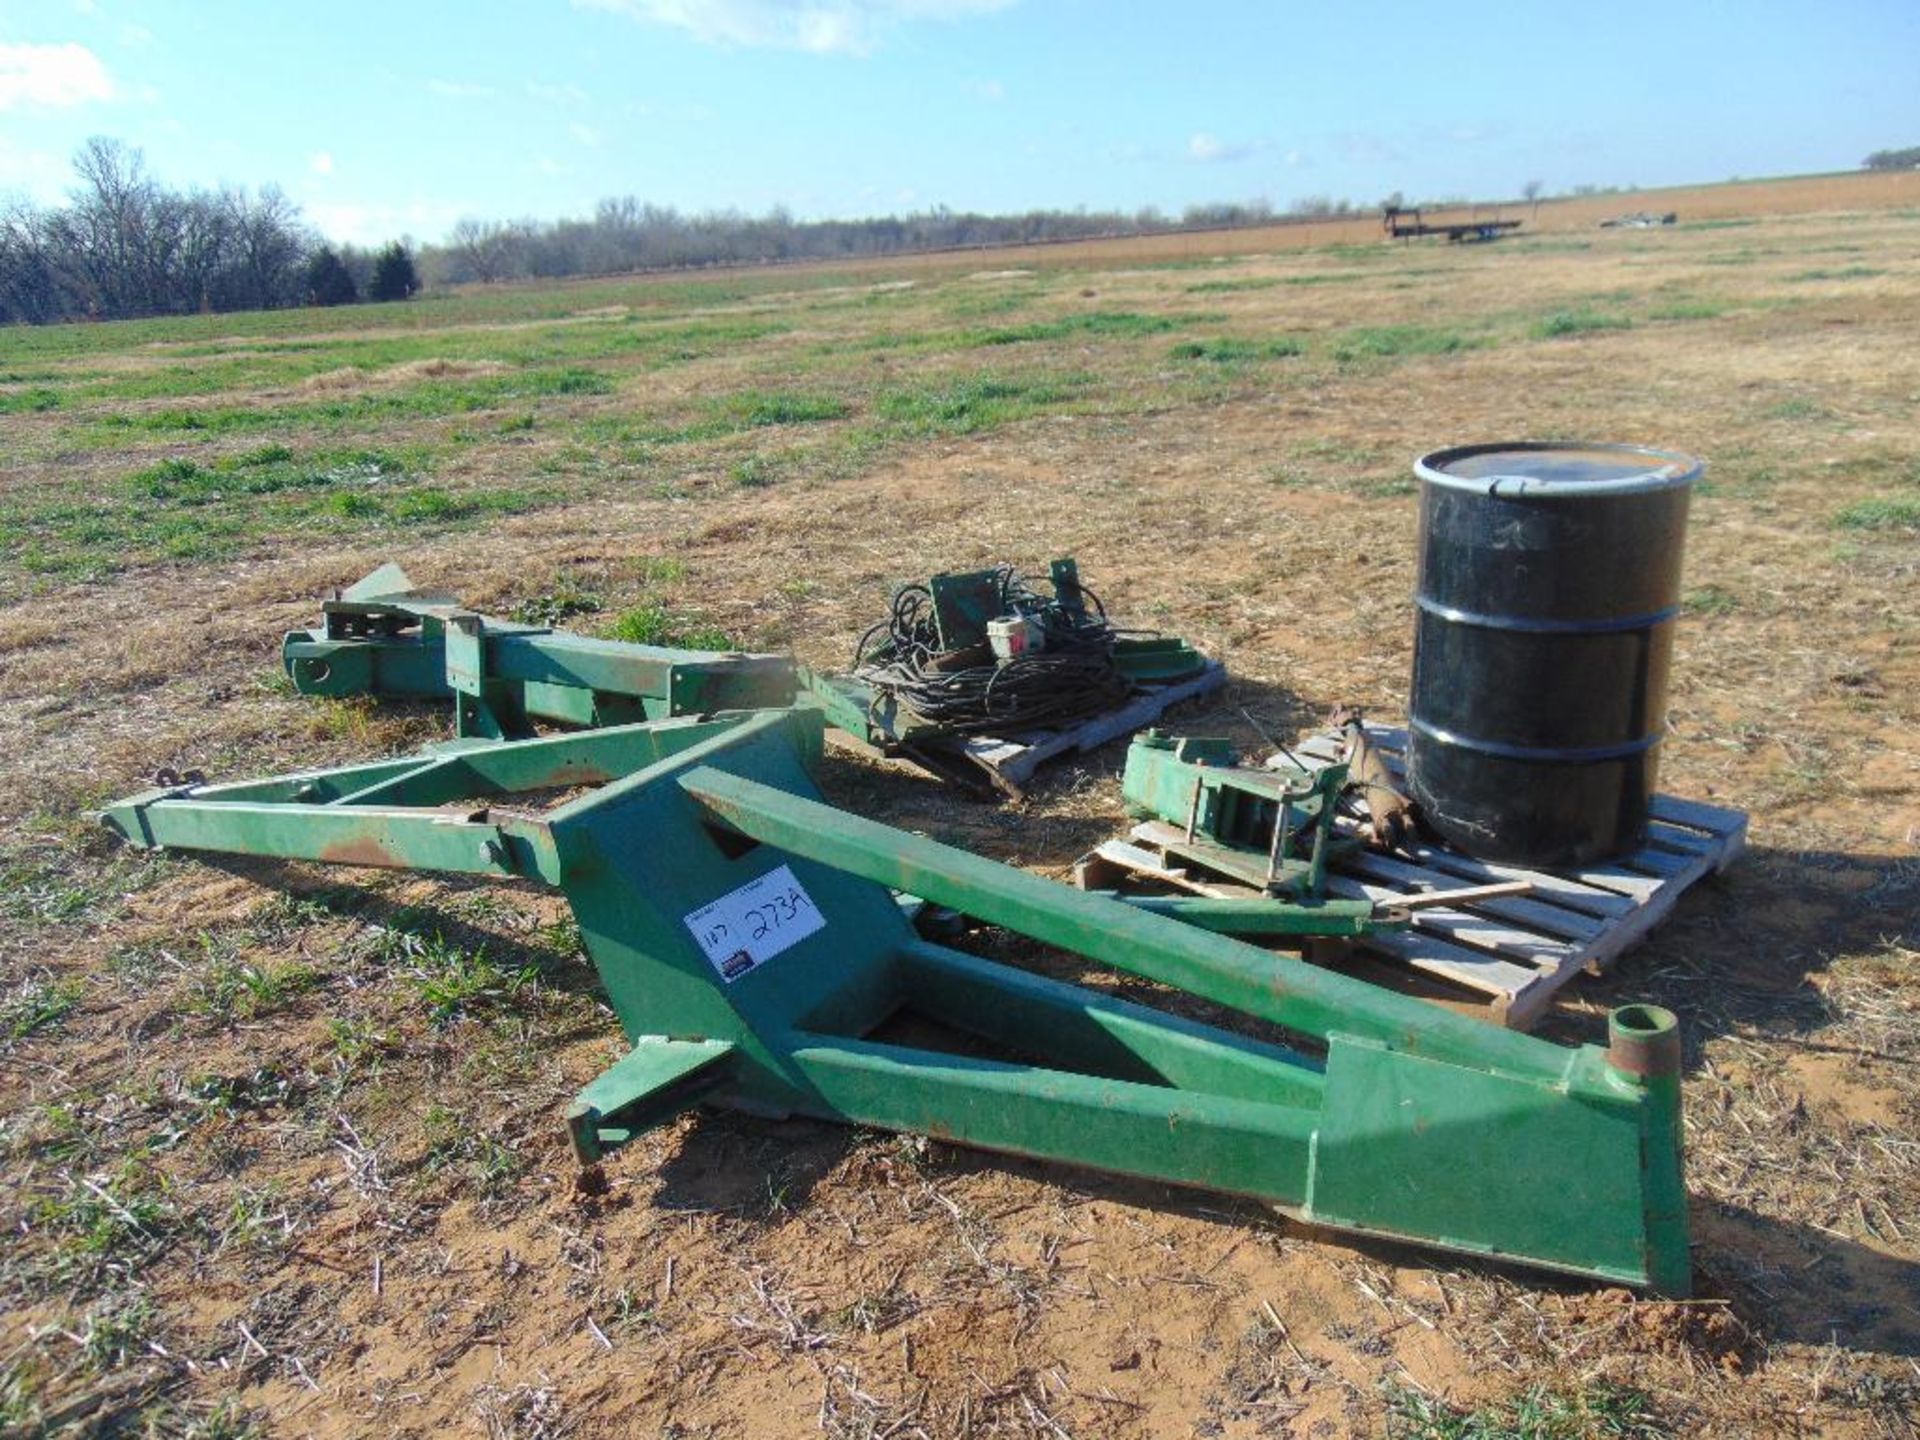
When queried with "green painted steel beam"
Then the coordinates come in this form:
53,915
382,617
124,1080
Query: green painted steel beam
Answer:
1258,982
383,637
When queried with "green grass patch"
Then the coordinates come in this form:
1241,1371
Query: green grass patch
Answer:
193,510
108,1223
45,882
452,981
1396,341
1598,1410
1881,514
1847,272
1710,600
455,1143
1098,324
654,624
231,990
1563,324
756,472
566,600
1798,407
26,402
756,408
1228,287
36,1004
1688,310
979,304
964,405
429,399
1226,351
1271,282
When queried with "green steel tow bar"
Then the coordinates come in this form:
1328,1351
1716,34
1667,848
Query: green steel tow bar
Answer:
748,938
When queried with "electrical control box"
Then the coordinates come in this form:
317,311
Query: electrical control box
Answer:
1012,636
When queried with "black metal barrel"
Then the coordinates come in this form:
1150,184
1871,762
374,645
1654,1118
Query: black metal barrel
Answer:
1549,582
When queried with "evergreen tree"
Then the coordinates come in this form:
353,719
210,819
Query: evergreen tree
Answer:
328,281
394,277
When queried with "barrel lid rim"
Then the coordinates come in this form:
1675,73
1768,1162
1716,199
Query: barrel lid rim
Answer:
1667,470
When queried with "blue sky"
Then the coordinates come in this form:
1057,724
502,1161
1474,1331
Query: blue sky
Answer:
403,116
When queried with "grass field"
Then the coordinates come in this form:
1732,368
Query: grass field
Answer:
282,1145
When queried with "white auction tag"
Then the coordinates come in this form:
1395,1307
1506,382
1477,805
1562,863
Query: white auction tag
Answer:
745,928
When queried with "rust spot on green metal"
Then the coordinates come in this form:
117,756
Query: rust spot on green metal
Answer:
361,850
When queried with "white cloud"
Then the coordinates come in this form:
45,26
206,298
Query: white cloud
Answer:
557,94
1210,149
817,27
321,163
583,134
376,224
460,90
1363,148
39,175
57,75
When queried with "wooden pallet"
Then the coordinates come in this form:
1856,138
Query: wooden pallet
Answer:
1512,952
1009,761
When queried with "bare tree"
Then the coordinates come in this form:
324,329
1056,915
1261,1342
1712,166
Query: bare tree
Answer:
1531,191
482,248
125,245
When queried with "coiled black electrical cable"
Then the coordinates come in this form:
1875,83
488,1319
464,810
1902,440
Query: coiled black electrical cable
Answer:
1070,674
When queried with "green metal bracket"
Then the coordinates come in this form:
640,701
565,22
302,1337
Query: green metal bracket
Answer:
749,939
1271,829
384,637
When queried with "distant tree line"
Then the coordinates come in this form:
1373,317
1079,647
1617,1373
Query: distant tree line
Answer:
125,245
629,234
1907,159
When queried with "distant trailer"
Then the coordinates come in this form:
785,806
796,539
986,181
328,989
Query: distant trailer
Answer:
1403,223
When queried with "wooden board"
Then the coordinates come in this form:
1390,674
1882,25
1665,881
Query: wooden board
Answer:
1009,761
1513,952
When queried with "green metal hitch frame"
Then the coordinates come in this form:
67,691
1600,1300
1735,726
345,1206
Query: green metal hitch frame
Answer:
749,938
384,637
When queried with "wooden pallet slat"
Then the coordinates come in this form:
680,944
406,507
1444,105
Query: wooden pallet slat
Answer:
1541,915
1010,760
1463,927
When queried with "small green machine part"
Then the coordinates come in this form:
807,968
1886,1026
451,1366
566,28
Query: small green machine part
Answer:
383,637
749,939
1271,829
